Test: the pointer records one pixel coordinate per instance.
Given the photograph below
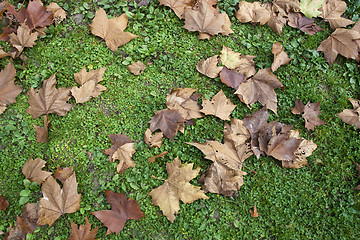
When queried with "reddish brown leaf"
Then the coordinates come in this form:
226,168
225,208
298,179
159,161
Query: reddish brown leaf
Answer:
8,90
3,203
153,158
117,141
310,114
62,174
254,213
357,166
231,78
84,232
168,121
299,21
280,56
121,210
42,132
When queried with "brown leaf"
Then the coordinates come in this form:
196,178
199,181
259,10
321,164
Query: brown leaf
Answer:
153,158
351,116
83,76
231,78
41,133
84,232
280,56
311,112
252,12
23,38
299,21
278,17
136,68
356,27
32,170
121,210
153,140
178,6
332,11
62,174
341,41
49,99
117,141
235,61
236,133
124,154
8,89
260,88
58,12
112,30
357,166
219,106
209,67
168,121
175,188
254,213
3,203
56,202
87,91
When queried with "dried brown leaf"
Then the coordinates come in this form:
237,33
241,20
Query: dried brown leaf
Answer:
124,155
84,232
23,38
58,12
32,170
3,203
219,106
153,140
41,133
231,78
153,158
136,68
62,174
8,89
299,21
168,121
209,67
280,56
178,6
252,12
332,11
117,141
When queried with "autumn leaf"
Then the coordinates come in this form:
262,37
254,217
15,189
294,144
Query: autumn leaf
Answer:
83,76
23,38
58,12
260,88
84,232
153,140
351,116
175,188
178,6
254,213
41,133
299,21
136,68
168,121
357,166
32,170
231,78
124,155
280,56
3,203
117,141
209,67
219,106
332,11
153,158
310,113
111,30
62,174
8,89
49,99
310,8
252,12
235,61
122,209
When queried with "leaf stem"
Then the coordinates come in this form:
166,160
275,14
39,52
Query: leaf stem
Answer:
157,178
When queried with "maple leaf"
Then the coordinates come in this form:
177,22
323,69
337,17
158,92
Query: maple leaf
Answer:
32,170
49,99
231,78
56,202
219,106
84,232
136,68
23,38
299,21
83,76
280,56
252,12
260,88
351,116
167,121
112,30
122,209
41,133
8,90
124,154
332,11
178,6
153,158
58,13
153,140
209,67
3,203
341,41
62,174
117,141
310,113
310,8
175,188
235,61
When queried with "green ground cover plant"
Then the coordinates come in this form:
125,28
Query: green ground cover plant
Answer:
316,201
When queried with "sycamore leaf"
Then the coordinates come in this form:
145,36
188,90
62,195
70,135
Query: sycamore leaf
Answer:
136,68
351,116
209,67
32,170
236,132
87,91
49,99
175,188
122,209
8,90
62,174
23,38
112,30
168,121
310,8
117,141
219,106
299,21
59,13
332,11
260,88
178,6
231,78
3,203
310,113
56,202
280,56
124,154
341,41
83,76
84,232
235,61
153,158
252,12
153,140
41,133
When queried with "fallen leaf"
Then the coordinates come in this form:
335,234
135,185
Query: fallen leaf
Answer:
153,158
254,213
59,13
332,11
167,121
84,232
153,140
310,113
357,166
8,89
62,174
3,53
280,56
304,150
175,188
3,203
219,106
299,21
56,202
41,133
117,141
111,30
356,27
124,155
236,132
231,78
32,170
121,210
49,99
209,67
351,116
23,38
136,68
235,61
178,6
83,76
252,12
310,8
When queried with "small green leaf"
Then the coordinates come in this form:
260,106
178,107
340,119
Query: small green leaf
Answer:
23,200
25,193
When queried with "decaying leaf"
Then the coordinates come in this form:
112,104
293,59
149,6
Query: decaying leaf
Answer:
59,13
235,61
168,121
351,116
62,174
304,150
178,6
209,67
175,188
124,155
332,11
231,78
32,170
112,30
49,99
117,141
299,21
280,56
310,8
252,12
122,209
219,106
41,133
23,38
84,232
254,213
153,158
3,203
153,140
310,113
136,68
8,89
56,201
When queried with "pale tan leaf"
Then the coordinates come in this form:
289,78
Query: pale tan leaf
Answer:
59,13
23,38
219,106
252,12
178,6
153,140
136,68
209,67
280,56
83,76
32,170
124,155
332,11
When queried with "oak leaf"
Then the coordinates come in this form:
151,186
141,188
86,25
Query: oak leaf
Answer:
49,99
280,56
310,113
84,232
178,6
136,68
299,21
209,67
112,30
153,158
23,38
351,116
153,140
8,90
310,8
219,106
56,202
252,12
168,121
122,209
62,174
117,141
42,133
231,78
124,155
59,13
332,11
175,188
3,203
32,170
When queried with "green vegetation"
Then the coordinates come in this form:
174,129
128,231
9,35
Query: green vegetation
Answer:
317,201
